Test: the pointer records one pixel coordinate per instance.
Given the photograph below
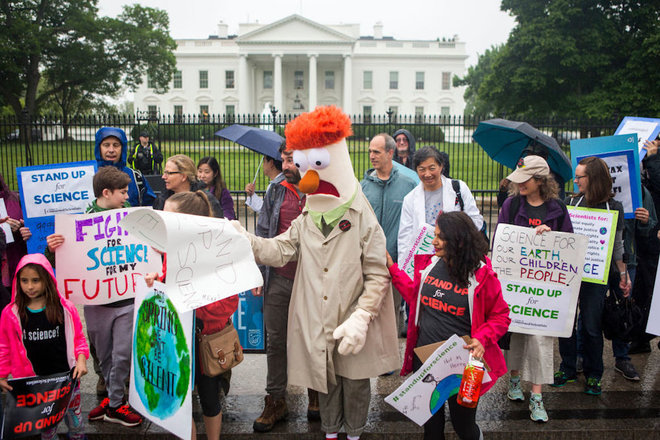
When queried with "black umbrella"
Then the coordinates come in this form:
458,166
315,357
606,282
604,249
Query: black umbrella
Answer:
256,139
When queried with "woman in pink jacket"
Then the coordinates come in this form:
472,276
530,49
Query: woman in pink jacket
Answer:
454,292
41,334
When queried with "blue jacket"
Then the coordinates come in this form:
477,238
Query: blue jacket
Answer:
386,199
148,196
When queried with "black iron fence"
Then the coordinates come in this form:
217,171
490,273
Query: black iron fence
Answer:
50,139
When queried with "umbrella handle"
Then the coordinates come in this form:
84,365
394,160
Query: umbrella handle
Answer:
258,168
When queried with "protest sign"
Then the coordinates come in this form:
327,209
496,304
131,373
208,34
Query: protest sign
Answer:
427,389
540,276
9,236
248,320
36,404
599,226
46,190
421,245
109,259
161,376
621,156
653,323
644,128
205,255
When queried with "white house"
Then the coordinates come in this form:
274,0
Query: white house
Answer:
296,64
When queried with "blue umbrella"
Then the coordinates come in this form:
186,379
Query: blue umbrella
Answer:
256,139
504,141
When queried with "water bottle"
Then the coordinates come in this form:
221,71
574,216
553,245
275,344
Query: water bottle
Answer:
468,393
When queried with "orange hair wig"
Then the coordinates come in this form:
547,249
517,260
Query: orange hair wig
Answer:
321,127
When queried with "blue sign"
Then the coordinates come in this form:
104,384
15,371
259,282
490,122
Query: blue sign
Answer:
621,156
249,322
46,190
644,128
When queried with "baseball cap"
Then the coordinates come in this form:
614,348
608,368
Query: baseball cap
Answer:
144,134
528,167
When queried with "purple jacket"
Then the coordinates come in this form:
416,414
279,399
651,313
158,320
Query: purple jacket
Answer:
13,356
555,208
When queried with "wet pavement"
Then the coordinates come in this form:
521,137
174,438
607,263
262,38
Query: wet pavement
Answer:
625,410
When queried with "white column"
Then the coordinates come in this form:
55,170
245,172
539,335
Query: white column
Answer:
243,86
312,81
348,84
277,83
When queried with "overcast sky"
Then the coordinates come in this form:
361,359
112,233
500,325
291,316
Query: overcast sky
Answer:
479,23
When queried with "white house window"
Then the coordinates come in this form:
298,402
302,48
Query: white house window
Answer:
298,82
366,113
444,111
367,80
419,80
177,79
178,112
395,112
268,79
204,79
446,80
230,110
229,79
150,82
394,80
329,80
204,112
419,114
153,111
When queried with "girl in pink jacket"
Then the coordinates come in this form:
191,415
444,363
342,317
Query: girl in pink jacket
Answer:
41,334
454,292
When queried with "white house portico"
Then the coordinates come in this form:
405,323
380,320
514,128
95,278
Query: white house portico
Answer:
297,64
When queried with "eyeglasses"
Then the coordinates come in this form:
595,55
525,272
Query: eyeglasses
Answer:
167,173
577,178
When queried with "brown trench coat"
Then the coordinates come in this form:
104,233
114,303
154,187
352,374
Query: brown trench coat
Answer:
335,274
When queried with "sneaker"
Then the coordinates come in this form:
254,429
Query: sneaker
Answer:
579,367
515,391
313,410
627,369
536,409
124,415
640,347
274,411
98,413
562,379
592,387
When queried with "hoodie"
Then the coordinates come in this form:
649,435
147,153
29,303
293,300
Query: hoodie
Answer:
13,356
148,196
411,147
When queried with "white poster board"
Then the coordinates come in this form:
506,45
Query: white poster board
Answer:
207,259
427,389
100,262
653,324
421,245
162,356
599,226
9,236
540,276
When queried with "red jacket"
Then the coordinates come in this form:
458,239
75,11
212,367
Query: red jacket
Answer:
490,314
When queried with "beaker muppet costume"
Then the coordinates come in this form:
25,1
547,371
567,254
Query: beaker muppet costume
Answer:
341,291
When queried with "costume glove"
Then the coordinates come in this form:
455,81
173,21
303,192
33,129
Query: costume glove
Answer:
353,331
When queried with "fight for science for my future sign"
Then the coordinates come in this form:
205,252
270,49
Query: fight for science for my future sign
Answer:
540,276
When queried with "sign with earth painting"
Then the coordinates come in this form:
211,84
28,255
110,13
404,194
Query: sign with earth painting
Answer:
161,373
540,276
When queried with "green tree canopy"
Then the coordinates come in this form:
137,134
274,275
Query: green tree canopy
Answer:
574,58
52,48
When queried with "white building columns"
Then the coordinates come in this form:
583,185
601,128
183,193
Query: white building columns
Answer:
312,81
348,84
243,86
277,83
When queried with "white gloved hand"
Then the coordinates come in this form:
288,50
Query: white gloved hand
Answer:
353,331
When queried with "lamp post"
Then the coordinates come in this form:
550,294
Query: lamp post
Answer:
273,111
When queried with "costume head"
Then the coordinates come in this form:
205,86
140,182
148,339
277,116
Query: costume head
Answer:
318,141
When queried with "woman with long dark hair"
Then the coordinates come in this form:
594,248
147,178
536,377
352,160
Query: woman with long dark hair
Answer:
208,172
454,291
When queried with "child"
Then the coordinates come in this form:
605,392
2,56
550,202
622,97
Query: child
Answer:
208,320
110,326
37,306
208,172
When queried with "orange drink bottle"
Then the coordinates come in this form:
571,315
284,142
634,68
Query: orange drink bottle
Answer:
468,393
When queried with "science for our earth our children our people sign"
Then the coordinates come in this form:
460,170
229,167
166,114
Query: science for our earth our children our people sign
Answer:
46,190
99,261
540,276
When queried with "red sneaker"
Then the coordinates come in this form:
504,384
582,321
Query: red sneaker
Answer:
124,415
98,413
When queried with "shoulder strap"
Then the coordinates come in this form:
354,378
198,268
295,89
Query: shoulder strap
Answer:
513,208
456,185
139,182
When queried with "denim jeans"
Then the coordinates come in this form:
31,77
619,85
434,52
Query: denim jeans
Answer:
591,301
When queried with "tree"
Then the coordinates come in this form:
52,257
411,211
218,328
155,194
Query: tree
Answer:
575,58
62,48
474,104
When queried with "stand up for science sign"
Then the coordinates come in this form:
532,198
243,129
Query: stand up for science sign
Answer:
540,276
46,190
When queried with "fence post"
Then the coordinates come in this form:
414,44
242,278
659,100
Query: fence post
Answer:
25,130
